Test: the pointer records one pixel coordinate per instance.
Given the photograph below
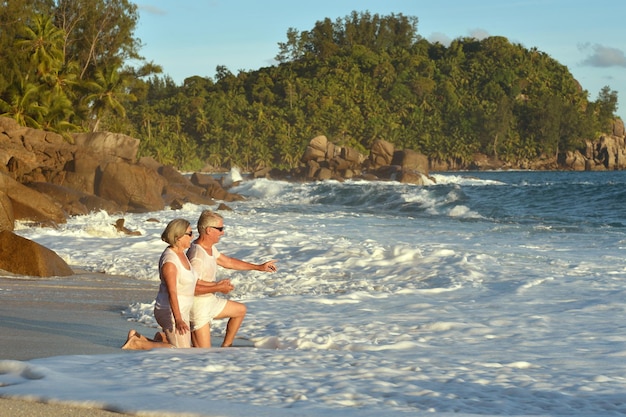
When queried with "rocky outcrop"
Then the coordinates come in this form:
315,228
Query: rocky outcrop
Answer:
325,160
608,153
111,147
44,179
134,187
74,202
28,204
7,219
25,257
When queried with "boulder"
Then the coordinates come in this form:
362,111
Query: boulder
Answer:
29,204
80,172
150,162
316,150
120,227
411,176
312,168
409,159
574,160
95,203
352,155
202,180
113,147
25,257
213,189
134,188
66,198
265,172
381,153
74,202
175,195
618,127
610,151
324,174
7,220
217,192
320,143
8,124
172,175
388,172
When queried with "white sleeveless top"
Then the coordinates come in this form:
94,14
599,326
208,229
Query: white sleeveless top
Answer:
203,263
185,284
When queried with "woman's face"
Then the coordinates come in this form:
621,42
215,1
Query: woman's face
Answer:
184,241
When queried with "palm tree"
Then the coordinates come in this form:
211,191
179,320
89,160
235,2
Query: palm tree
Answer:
22,104
108,94
44,42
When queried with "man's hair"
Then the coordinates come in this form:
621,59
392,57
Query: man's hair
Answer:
208,218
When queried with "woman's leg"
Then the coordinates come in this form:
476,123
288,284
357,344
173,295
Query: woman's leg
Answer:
160,337
166,320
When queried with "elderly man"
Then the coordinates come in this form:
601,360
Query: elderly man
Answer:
204,258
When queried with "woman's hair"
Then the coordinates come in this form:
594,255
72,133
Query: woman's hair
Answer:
208,218
174,230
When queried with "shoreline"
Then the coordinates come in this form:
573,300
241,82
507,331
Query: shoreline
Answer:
59,316
19,407
75,315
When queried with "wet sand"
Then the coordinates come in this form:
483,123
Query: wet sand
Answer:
76,315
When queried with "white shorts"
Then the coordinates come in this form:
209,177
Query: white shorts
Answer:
205,307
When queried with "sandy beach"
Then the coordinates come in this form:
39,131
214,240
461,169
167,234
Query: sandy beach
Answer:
76,315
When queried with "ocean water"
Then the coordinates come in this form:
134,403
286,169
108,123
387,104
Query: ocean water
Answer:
491,294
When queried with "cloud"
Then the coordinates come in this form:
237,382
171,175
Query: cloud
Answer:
151,9
479,34
445,40
441,38
603,56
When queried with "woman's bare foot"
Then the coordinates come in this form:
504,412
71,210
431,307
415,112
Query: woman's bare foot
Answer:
132,339
160,337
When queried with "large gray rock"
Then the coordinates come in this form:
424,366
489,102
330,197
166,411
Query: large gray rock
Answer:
381,154
80,173
110,146
134,188
7,219
411,160
316,150
74,202
25,257
29,204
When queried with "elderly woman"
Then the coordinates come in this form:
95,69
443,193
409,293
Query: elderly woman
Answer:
176,293
205,258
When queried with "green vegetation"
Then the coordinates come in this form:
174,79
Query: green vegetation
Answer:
357,79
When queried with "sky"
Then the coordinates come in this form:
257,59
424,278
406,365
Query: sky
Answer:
193,37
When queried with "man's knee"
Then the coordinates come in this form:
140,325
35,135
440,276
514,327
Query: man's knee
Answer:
242,309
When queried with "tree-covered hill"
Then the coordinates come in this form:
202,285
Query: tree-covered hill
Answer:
356,79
